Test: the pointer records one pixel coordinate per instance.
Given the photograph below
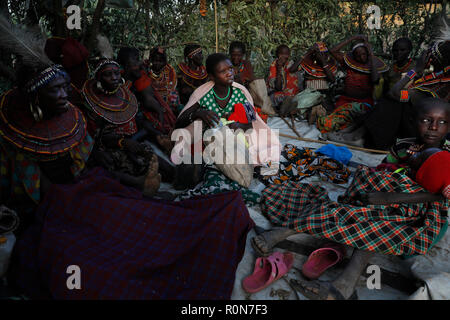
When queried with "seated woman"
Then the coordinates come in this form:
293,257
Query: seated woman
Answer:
159,119
319,68
217,99
164,77
393,116
43,137
282,83
243,70
402,63
111,109
192,73
362,68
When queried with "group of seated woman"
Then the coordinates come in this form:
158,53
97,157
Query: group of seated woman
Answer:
83,157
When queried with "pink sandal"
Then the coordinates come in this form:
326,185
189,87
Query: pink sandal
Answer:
268,270
322,259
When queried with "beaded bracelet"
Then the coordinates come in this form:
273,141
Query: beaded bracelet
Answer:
404,95
411,74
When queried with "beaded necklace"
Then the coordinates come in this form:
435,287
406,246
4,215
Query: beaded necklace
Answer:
224,98
402,69
198,75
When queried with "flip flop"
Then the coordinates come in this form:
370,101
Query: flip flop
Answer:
268,270
322,259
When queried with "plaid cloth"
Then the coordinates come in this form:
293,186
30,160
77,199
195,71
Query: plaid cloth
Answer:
298,163
394,229
133,248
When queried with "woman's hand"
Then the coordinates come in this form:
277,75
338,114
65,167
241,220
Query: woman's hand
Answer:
422,62
210,118
238,125
281,61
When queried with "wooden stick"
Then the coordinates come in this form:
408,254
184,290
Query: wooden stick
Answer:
291,127
335,143
217,28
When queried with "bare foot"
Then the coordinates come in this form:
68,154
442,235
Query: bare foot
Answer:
317,289
264,243
151,185
153,178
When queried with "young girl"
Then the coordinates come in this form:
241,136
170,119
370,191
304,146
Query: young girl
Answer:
433,116
282,83
243,70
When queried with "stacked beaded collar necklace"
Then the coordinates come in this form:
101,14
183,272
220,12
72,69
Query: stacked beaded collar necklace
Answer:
41,140
118,108
200,74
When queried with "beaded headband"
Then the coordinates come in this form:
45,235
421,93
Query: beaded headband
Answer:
194,52
104,63
358,45
44,77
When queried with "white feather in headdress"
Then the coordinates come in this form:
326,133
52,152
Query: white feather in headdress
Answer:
28,44
445,32
104,47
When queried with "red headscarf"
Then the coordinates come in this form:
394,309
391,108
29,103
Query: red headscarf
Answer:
434,174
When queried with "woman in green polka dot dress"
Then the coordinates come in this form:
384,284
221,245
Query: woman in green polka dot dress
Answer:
216,99
219,98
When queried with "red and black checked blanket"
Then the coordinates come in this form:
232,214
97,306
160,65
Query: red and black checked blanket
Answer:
400,229
131,248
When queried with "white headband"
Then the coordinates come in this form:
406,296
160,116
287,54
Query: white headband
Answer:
361,44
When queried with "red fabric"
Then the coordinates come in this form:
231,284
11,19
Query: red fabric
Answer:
345,99
434,174
239,114
142,83
74,53
262,115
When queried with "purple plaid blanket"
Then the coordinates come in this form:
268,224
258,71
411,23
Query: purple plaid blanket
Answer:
133,248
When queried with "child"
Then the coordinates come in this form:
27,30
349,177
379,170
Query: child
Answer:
243,70
282,83
433,116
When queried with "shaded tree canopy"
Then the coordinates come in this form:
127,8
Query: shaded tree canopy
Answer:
261,24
